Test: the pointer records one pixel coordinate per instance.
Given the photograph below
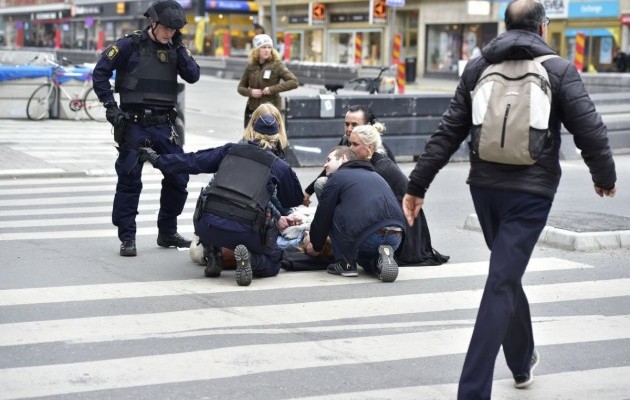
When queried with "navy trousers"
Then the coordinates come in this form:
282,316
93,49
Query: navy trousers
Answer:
129,170
216,231
511,223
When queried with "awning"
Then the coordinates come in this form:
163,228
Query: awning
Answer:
35,9
34,71
595,32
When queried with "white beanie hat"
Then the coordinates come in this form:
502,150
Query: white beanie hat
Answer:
261,40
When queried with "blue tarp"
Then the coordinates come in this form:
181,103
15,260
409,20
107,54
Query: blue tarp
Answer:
32,71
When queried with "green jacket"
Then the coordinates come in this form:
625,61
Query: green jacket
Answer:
279,80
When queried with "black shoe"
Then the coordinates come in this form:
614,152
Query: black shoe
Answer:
342,268
243,266
174,240
128,248
527,378
214,262
387,268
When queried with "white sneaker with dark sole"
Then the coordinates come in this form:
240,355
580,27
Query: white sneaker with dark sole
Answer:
243,267
523,380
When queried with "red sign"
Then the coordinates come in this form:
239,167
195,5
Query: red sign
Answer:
319,12
625,19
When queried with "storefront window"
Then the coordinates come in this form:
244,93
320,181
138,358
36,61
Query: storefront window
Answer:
313,42
599,47
293,45
449,45
443,48
341,47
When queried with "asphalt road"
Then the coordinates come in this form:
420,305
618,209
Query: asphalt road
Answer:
79,322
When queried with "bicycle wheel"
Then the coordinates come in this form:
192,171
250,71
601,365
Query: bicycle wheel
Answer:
93,106
38,106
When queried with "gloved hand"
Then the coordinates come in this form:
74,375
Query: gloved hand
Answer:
117,117
177,40
147,154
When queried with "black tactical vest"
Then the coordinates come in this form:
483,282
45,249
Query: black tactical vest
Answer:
153,81
239,190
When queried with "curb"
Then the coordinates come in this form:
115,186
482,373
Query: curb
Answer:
569,240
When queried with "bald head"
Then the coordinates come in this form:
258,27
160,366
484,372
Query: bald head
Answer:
526,15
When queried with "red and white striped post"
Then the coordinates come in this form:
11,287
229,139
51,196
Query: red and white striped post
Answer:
580,43
400,73
358,49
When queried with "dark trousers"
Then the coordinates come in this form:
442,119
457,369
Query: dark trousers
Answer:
511,223
265,261
129,170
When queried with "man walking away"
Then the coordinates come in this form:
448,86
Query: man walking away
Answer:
512,201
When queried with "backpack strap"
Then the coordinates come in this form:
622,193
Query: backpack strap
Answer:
544,58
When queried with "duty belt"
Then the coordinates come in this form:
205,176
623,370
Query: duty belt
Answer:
150,117
256,219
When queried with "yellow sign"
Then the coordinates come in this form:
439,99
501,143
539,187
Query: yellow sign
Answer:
200,35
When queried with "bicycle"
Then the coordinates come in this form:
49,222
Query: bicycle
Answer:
42,99
376,85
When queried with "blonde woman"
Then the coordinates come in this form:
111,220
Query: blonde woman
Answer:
365,141
265,77
276,143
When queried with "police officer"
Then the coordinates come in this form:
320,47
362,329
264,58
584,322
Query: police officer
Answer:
236,210
147,63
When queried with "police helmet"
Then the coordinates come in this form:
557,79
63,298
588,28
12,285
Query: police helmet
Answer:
168,13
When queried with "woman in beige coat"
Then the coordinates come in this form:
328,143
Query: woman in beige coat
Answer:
265,77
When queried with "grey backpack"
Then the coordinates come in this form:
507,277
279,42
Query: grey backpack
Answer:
511,104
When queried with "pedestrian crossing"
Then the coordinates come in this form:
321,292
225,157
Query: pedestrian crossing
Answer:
361,332
66,147
300,335
65,208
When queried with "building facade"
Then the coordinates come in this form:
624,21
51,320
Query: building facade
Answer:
437,37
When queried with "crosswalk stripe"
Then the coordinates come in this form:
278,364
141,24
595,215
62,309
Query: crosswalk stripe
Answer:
246,360
71,200
140,326
591,384
79,210
14,297
91,233
79,221
68,180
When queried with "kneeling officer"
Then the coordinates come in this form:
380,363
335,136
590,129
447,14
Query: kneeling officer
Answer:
235,210
147,64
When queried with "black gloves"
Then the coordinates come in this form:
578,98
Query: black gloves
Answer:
177,40
117,117
119,120
147,154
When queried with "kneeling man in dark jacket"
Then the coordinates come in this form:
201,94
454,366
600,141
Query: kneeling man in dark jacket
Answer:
360,213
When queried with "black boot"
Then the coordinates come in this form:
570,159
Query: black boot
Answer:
214,262
243,272
174,240
128,248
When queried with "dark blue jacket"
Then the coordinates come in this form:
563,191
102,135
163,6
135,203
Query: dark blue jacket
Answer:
355,203
123,57
570,105
283,178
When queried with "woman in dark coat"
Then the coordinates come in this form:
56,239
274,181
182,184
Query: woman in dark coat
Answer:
365,141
